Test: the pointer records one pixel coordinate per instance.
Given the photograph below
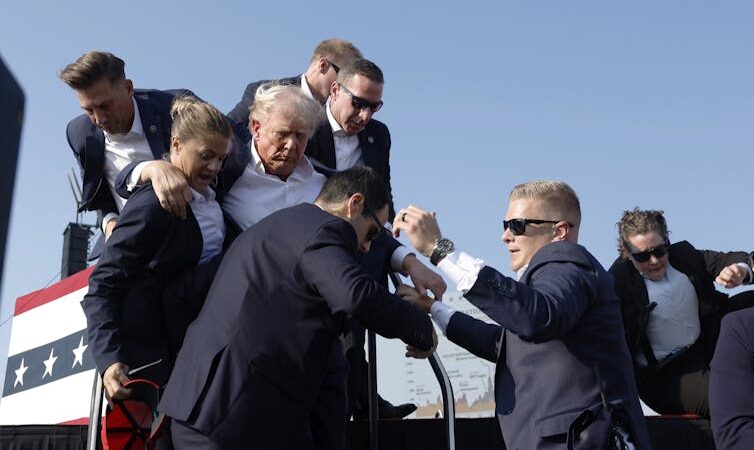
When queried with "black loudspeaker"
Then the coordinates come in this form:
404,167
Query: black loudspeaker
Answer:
75,248
11,120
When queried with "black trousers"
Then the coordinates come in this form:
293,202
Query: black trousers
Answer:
682,385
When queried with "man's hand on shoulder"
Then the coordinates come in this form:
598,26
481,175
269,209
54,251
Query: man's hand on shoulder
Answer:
170,185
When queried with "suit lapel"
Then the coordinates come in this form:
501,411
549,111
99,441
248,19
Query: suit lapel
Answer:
368,154
326,143
153,127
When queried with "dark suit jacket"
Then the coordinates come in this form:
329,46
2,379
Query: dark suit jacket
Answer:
240,112
88,144
701,266
148,248
558,322
731,389
277,306
374,141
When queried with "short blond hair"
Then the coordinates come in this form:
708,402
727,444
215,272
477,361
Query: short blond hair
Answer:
557,196
339,50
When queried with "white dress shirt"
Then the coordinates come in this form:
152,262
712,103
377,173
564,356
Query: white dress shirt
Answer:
120,151
211,223
347,148
463,270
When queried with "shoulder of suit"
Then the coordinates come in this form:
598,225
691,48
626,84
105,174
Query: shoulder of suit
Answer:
167,95
254,85
376,126
79,128
564,252
144,202
682,250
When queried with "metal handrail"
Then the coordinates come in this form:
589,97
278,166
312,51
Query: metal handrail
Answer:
95,413
446,387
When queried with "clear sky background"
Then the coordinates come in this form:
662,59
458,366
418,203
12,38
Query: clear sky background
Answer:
632,103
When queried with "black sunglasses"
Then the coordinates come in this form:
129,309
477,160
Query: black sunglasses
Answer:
334,67
657,252
518,226
374,233
360,103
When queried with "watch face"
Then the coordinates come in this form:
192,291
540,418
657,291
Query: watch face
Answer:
445,246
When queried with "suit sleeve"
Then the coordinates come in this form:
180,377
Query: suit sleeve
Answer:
717,261
101,199
476,336
731,389
135,240
547,308
329,266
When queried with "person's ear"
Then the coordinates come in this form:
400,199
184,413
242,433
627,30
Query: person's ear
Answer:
324,65
175,144
560,231
334,89
355,205
254,127
129,86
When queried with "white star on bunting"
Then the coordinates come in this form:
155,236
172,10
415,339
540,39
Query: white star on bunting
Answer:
20,373
49,362
78,353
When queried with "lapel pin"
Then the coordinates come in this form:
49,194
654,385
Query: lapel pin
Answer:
153,128
370,139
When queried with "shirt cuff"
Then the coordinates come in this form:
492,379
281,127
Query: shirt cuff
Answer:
750,275
133,178
441,314
462,269
108,217
396,261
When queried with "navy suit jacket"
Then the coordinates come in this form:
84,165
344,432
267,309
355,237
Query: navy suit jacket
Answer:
88,144
240,112
277,305
556,324
731,388
148,248
374,141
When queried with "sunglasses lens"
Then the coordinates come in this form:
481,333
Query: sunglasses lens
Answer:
657,252
641,256
517,226
660,251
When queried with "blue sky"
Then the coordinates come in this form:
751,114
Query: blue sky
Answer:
632,103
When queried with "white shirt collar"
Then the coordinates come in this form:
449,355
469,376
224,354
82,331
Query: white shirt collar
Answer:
336,128
198,196
305,87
